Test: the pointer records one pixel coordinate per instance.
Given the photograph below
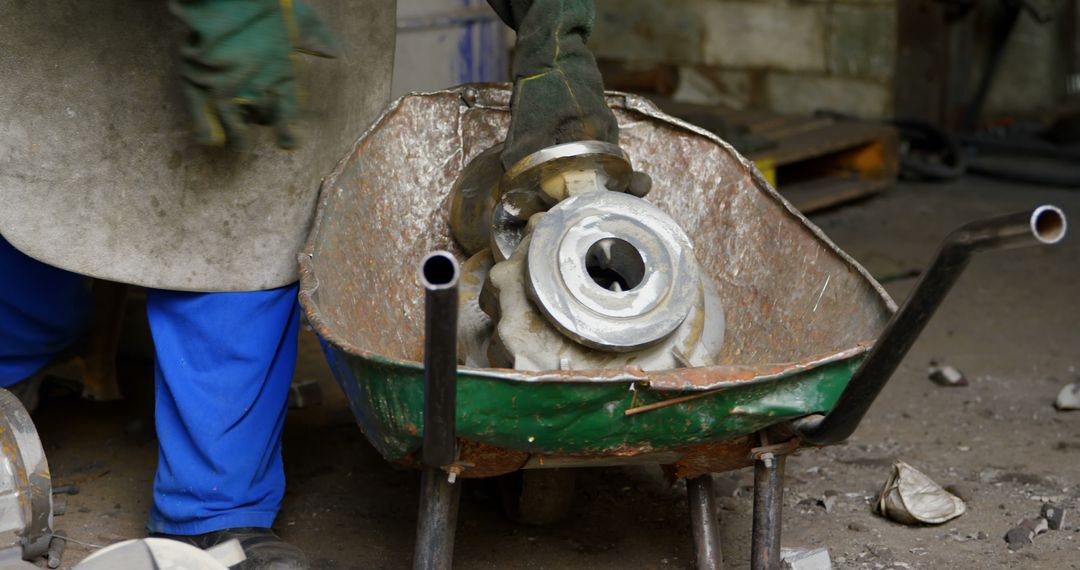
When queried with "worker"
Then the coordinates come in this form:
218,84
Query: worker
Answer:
98,181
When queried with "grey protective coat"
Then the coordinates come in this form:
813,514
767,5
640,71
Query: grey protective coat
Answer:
98,173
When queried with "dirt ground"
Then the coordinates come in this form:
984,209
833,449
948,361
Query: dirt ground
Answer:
1012,325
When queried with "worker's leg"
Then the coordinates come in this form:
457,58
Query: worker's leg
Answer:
224,364
43,310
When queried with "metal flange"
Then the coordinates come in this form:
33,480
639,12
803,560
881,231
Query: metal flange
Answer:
540,180
25,483
611,271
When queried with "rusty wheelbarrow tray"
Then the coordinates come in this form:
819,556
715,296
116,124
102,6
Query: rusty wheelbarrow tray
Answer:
801,316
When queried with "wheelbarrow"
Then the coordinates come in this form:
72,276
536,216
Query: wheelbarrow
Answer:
810,337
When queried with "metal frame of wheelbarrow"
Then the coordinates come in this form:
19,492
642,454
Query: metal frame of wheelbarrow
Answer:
440,491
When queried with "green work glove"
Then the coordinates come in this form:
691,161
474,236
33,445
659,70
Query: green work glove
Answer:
237,64
558,92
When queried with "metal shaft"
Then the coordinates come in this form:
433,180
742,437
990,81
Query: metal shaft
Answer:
704,524
1044,225
437,523
768,512
439,274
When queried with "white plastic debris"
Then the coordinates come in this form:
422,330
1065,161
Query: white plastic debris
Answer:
805,559
1069,397
910,497
947,376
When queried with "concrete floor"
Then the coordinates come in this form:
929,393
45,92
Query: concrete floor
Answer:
1011,325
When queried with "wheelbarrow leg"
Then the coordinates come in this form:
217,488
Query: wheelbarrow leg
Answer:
704,524
768,512
437,522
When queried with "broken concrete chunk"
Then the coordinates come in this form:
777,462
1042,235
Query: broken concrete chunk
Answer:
1054,515
1068,398
1019,537
806,559
947,376
910,497
828,500
1037,525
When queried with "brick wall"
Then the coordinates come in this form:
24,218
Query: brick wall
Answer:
792,56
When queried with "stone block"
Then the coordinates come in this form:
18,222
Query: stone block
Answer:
804,94
862,40
649,31
781,35
731,88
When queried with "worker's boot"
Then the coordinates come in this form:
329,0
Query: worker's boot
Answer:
264,549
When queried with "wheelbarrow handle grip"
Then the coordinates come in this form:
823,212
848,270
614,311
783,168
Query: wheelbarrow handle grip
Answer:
439,273
1044,225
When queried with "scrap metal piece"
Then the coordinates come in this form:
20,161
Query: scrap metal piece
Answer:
604,157
525,339
910,497
612,271
549,176
25,484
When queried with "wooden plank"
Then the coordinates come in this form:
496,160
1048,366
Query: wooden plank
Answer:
826,140
821,193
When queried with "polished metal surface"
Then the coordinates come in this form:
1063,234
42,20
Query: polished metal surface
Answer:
98,172
548,176
612,271
607,158
25,484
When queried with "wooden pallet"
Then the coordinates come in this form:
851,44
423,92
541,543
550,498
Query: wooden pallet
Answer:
815,162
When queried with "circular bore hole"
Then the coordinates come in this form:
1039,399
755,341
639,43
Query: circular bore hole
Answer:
1049,224
439,269
614,264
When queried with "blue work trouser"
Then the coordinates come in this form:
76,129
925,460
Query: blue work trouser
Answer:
224,362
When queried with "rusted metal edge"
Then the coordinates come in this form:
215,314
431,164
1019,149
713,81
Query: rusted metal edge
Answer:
709,378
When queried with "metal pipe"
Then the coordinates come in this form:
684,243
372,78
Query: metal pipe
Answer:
768,512
704,524
437,523
1044,225
439,273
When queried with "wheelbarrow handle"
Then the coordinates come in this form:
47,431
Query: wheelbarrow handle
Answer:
1044,225
439,273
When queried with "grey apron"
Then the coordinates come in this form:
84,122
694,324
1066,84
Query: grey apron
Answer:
98,174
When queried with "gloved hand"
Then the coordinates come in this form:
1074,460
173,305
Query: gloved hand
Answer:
237,64
558,92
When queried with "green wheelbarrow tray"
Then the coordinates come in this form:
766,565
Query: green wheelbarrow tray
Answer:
810,338
800,313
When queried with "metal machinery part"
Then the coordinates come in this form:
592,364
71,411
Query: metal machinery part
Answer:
612,271
579,274
491,208
547,176
25,486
